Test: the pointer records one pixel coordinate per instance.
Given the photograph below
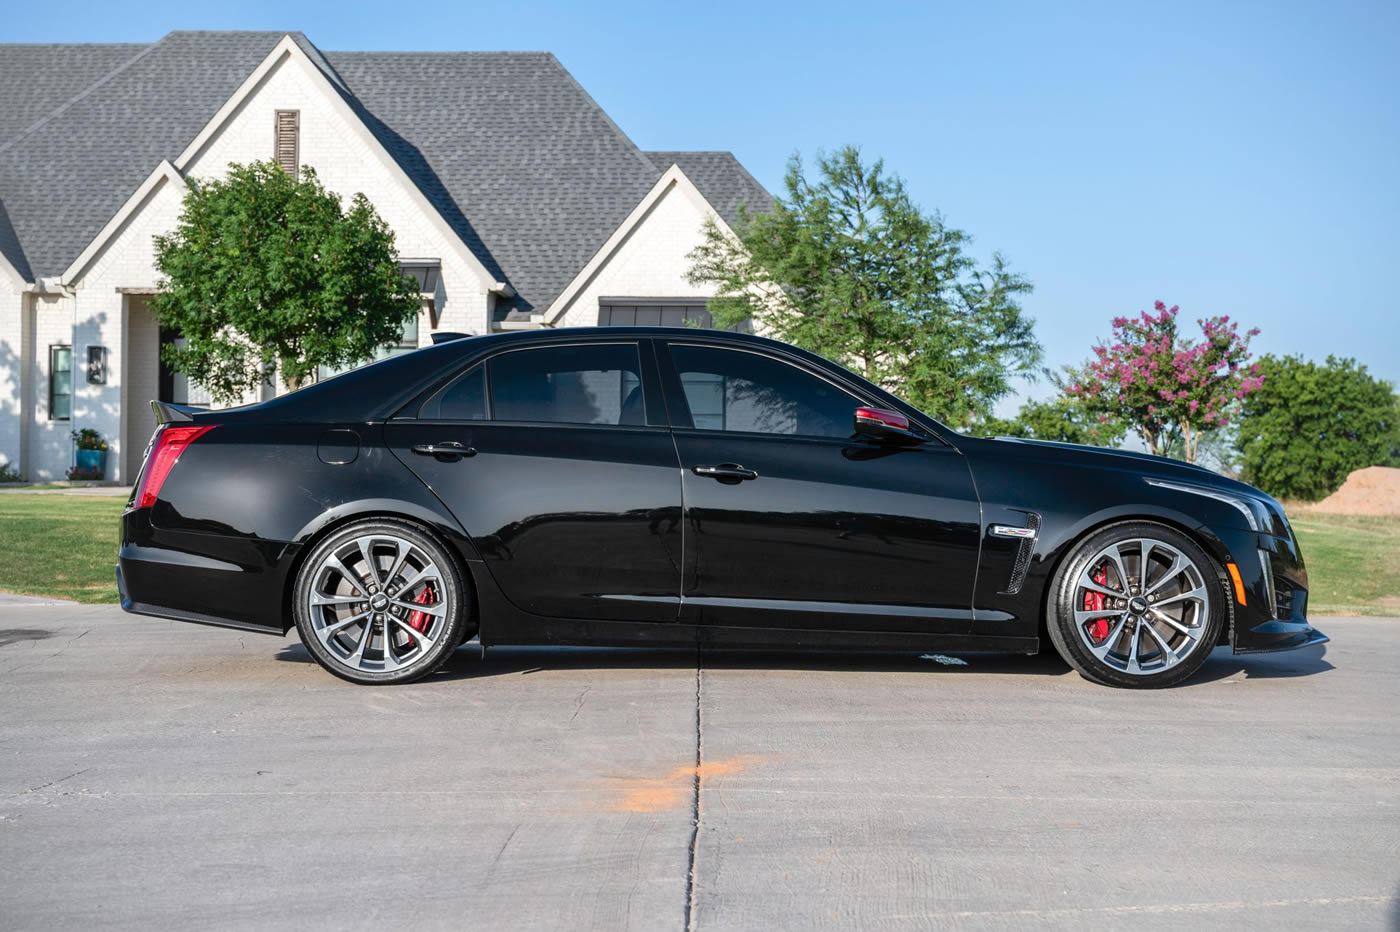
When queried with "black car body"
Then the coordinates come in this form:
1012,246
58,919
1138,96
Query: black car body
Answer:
679,515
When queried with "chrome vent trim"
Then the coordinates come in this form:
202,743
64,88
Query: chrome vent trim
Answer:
1023,552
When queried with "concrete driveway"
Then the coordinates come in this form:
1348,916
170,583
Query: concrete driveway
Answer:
163,775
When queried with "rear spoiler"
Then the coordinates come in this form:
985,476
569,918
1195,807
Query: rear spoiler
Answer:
168,413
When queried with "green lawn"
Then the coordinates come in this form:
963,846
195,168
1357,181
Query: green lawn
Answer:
60,545
66,545
1353,563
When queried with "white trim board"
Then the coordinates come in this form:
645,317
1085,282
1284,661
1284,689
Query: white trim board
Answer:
673,177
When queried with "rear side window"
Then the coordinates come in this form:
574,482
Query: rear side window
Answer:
740,391
463,400
597,384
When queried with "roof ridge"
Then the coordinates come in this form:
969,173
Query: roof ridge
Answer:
38,124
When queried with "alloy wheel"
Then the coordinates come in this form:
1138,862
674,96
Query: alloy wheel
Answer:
377,603
1141,606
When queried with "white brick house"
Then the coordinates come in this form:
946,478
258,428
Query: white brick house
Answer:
515,199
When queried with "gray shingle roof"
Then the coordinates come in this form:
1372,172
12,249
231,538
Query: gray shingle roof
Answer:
35,80
518,158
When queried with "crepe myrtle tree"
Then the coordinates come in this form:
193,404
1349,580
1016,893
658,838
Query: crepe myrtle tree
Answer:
849,267
267,274
1169,388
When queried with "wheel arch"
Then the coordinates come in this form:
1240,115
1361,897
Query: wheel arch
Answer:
1193,531
457,544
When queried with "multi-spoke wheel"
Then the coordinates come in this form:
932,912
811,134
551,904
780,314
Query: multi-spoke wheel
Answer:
380,602
1136,604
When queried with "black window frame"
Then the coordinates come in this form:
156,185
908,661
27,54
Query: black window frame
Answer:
653,401
679,404
53,371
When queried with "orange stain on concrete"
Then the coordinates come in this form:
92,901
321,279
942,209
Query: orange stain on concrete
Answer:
655,794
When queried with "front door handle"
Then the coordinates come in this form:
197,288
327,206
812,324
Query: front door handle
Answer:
728,473
446,452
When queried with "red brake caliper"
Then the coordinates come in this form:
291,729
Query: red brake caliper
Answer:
1094,602
418,621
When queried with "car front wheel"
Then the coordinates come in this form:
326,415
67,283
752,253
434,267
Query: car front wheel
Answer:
380,602
1136,605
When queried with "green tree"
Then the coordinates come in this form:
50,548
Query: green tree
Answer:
266,274
1063,419
849,267
1310,425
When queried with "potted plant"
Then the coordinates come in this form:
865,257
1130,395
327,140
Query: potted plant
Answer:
91,456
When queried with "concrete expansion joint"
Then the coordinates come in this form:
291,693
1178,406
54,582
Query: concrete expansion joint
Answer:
690,886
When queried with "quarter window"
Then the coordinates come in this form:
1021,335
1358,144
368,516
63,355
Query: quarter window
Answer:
598,384
740,391
60,383
463,400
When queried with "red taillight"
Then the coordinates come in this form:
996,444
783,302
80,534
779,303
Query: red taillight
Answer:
884,417
169,444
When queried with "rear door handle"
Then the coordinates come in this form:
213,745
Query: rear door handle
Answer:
444,451
725,472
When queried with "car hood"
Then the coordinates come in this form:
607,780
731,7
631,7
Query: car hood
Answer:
1145,463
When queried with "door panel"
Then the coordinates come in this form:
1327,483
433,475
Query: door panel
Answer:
794,521
575,502
573,522
884,538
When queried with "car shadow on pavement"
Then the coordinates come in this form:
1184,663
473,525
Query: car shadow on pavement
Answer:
467,662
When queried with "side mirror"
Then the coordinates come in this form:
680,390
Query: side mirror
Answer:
886,426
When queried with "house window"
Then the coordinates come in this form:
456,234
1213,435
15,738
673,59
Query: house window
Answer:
286,147
60,383
407,343
654,312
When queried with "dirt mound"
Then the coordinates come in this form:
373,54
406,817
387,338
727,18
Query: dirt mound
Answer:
1374,490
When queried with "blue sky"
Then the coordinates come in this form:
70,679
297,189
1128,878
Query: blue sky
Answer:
1234,158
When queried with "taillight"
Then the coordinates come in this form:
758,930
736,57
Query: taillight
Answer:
165,453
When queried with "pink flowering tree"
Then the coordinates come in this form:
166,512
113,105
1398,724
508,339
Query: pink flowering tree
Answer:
1170,388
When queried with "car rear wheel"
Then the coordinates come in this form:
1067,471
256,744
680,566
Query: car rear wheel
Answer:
380,602
1137,605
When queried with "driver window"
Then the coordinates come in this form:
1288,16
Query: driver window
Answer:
740,391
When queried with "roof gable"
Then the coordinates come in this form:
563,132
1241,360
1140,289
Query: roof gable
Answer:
61,187
723,181
519,159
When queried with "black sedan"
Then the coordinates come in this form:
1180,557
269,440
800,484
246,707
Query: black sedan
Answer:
636,486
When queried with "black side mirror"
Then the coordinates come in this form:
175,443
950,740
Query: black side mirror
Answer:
886,426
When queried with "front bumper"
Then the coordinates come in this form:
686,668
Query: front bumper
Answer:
1273,616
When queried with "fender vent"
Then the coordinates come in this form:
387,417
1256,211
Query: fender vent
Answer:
1023,557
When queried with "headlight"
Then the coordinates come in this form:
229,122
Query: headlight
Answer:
1255,512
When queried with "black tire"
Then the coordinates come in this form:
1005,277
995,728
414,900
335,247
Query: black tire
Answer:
1192,622
425,588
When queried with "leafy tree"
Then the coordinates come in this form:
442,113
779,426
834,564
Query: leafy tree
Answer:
266,273
1064,419
1171,389
1311,425
847,266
